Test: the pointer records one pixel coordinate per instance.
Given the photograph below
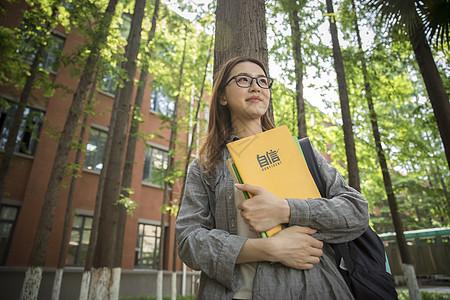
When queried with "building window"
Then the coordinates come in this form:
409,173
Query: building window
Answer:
95,149
125,25
52,52
147,246
8,215
155,166
109,80
29,130
79,240
160,102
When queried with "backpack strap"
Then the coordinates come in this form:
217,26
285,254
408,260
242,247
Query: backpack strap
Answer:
311,162
361,262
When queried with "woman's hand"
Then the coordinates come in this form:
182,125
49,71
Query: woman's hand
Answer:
296,248
293,247
264,210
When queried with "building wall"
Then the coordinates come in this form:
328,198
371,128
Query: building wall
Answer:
133,284
29,175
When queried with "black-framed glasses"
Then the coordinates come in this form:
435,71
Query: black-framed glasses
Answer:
245,81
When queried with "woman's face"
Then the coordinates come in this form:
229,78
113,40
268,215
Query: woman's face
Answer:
246,103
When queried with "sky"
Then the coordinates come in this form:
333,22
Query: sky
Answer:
313,92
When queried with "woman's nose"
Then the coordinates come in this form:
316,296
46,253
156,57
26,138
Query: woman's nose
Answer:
254,85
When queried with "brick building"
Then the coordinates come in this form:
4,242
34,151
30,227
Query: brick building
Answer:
30,171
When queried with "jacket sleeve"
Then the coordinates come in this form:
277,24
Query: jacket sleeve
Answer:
200,245
340,217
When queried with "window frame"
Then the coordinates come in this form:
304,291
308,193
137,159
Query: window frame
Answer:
4,255
27,50
160,103
101,130
24,137
140,239
78,260
165,150
108,84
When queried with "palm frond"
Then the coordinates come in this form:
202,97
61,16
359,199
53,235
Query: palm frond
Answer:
397,13
435,15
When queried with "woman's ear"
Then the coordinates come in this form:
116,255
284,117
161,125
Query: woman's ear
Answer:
223,101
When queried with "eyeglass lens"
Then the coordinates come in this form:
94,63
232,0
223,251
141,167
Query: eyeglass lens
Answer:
246,81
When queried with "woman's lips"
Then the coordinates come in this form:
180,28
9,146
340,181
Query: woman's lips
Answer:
254,99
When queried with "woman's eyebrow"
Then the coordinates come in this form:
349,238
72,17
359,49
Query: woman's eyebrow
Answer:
247,74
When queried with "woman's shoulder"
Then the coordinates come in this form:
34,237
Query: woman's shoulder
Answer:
197,167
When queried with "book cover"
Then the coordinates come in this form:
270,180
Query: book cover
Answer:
245,195
273,160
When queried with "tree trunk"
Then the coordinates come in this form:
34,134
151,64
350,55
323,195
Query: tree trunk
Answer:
241,31
128,166
409,272
298,60
31,283
434,85
167,184
110,227
17,120
132,140
87,274
194,128
39,250
352,161
188,159
67,220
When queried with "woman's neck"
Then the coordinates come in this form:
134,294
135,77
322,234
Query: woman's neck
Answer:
245,129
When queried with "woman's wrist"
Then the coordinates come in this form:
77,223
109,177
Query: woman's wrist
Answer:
284,211
256,249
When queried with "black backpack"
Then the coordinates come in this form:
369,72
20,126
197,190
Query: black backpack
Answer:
364,258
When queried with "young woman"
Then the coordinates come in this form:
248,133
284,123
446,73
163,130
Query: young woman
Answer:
219,236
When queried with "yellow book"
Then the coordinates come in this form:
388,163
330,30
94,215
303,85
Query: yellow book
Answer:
272,160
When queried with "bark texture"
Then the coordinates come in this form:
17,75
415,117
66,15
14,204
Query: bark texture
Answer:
241,31
352,161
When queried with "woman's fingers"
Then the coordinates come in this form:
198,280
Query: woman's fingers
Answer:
296,249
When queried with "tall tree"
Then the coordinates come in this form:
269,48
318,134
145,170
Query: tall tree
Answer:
293,8
57,281
190,148
106,275
405,14
241,31
132,140
167,194
352,161
33,275
306,44
408,266
40,39
134,126
87,272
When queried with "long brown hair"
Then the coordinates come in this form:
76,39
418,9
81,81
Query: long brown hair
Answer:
219,127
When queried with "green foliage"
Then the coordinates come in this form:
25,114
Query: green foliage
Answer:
408,129
18,48
407,125
126,201
164,62
11,64
171,208
404,295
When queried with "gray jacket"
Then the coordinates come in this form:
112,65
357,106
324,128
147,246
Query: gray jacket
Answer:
208,241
